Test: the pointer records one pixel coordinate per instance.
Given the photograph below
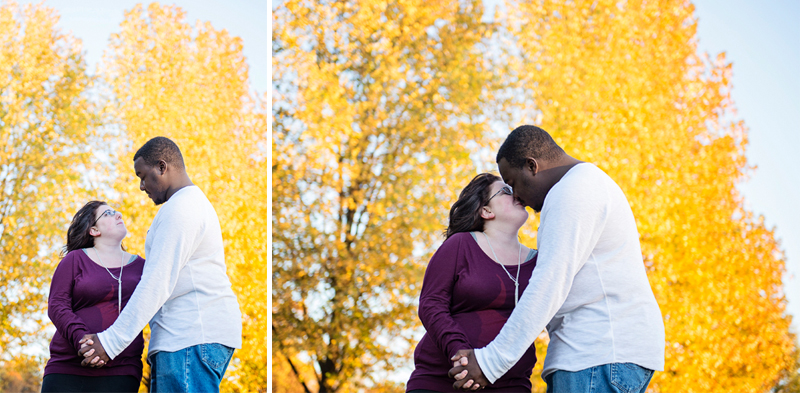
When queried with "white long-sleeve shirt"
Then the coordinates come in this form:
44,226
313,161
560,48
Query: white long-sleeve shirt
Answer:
184,292
589,283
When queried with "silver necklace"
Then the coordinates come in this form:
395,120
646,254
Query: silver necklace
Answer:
519,263
119,279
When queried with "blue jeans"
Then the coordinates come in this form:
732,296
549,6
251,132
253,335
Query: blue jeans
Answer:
198,368
608,378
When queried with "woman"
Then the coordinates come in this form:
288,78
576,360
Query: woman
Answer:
90,287
471,285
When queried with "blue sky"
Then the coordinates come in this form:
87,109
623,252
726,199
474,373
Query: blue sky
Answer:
93,21
762,40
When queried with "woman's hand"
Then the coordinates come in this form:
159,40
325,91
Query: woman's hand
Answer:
466,365
89,348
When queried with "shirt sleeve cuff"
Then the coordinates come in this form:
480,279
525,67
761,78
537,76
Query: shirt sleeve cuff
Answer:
456,346
107,343
77,337
483,363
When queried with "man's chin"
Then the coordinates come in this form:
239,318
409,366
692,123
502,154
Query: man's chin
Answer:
157,201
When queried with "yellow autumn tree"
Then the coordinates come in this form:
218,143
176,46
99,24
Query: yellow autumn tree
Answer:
48,131
375,104
190,84
621,84
22,374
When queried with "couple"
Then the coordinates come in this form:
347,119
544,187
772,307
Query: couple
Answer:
101,297
587,282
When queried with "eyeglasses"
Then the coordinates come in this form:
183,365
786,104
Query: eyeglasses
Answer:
109,212
505,190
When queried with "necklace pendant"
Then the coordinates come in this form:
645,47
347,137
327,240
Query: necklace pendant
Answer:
119,304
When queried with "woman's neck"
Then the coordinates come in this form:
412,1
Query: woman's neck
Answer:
502,236
108,247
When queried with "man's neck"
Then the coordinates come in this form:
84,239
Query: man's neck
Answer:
557,169
184,182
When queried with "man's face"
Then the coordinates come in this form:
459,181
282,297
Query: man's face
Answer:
528,189
152,180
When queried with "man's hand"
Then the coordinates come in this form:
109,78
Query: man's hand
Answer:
90,345
466,365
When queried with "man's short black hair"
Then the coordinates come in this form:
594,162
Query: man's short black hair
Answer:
158,149
528,141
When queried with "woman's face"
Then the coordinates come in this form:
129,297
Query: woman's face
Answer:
504,206
109,223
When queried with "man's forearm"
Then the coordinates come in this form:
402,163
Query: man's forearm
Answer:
562,255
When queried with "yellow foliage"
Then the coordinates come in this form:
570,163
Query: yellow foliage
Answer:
374,105
164,78
375,109
48,129
190,85
21,374
622,85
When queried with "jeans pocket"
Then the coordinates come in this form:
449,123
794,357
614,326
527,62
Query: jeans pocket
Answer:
630,377
215,355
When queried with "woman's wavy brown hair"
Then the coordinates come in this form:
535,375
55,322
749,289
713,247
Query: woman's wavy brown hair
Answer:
465,215
78,236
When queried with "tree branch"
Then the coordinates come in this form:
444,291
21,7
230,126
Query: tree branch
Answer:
291,364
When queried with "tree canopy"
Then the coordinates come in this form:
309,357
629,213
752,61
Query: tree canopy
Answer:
379,110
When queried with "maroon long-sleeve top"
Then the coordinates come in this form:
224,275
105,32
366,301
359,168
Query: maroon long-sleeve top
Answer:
84,299
466,299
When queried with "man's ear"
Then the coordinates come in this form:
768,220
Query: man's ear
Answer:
532,165
486,213
162,166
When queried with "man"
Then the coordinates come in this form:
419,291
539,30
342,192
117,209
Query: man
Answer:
196,322
606,330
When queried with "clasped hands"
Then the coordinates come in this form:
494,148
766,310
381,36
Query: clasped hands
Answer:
465,364
90,346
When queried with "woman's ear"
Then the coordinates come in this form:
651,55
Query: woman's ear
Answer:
93,231
486,213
